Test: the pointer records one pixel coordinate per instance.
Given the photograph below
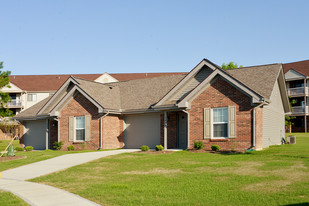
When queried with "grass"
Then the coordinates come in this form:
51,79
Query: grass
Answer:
30,157
4,144
8,199
277,176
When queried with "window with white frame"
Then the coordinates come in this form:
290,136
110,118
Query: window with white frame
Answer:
80,128
220,121
31,98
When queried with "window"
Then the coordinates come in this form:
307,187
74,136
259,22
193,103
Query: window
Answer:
220,122
31,97
80,128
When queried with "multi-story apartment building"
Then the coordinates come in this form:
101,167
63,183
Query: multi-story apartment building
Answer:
297,82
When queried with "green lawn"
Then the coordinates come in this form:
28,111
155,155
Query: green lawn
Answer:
4,144
29,157
8,199
276,176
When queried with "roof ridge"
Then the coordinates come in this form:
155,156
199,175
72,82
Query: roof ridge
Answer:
297,61
143,79
253,66
52,74
151,73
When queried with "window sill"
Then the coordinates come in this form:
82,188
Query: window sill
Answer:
219,140
78,142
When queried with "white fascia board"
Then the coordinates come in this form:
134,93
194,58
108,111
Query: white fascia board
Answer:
185,79
255,98
71,79
283,91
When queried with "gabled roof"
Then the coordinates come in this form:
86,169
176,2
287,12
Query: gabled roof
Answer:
37,83
301,67
132,76
152,93
260,79
115,97
51,83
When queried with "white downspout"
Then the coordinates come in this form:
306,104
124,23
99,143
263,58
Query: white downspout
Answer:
253,126
101,130
188,127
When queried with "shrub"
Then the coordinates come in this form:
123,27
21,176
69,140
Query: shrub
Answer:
71,147
29,148
198,145
144,148
215,147
19,149
58,145
159,148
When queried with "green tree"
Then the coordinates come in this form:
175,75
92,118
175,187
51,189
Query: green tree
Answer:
289,119
4,97
230,65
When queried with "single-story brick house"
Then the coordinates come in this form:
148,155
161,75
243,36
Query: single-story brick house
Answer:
236,109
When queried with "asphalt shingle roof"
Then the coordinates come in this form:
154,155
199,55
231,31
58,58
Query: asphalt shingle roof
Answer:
260,79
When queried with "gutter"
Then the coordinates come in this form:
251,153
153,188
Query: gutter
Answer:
101,130
253,126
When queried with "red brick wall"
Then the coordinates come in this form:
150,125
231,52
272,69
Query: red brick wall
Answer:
80,106
222,94
112,132
53,132
171,130
112,126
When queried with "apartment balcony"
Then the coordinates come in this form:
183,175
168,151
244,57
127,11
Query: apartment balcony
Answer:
299,110
15,104
298,91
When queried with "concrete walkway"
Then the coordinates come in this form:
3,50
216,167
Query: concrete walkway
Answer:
13,180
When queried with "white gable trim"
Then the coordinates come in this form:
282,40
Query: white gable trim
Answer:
255,98
283,91
55,112
66,83
13,88
106,78
293,75
194,71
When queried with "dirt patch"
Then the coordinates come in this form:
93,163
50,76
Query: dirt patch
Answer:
289,176
156,171
7,159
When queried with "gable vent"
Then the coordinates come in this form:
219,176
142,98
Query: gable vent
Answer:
192,83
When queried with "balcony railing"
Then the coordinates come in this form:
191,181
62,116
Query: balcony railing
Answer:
14,103
298,91
299,109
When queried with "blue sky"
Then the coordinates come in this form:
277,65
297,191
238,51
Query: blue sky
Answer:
97,36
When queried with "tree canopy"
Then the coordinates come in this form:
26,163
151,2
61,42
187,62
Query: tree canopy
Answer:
4,97
230,65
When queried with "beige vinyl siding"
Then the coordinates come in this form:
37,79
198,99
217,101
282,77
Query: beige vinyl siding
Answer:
192,83
142,129
273,119
35,134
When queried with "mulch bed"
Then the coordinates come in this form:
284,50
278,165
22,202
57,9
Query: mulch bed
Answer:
155,152
6,159
216,152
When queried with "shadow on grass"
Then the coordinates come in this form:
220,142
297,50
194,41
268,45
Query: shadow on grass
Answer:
300,204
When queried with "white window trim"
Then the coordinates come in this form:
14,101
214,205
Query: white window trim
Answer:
212,124
32,95
75,140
